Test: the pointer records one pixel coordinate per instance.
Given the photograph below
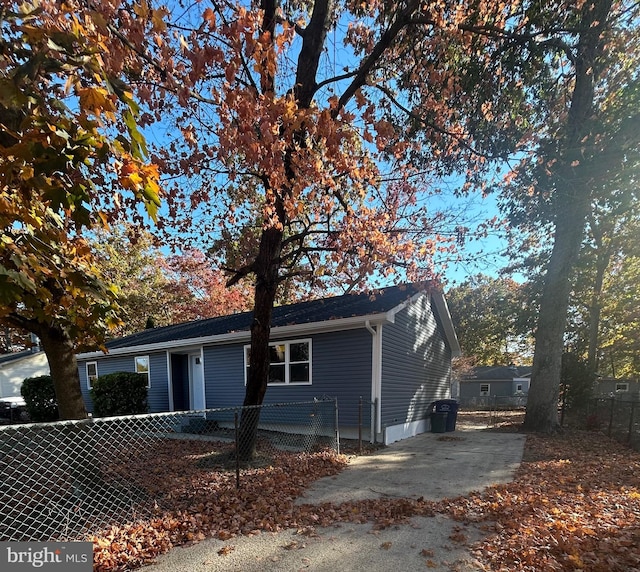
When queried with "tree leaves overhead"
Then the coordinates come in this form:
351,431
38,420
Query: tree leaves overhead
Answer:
57,162
159,290
69,146
492,318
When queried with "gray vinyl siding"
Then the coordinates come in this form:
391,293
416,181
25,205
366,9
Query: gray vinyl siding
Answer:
340,367
608,387
224,375
158,396
497,387
416,364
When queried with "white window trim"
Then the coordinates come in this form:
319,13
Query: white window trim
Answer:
488,390
89,386
287,362
148,372
622,387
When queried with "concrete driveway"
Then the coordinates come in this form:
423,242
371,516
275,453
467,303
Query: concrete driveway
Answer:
433,466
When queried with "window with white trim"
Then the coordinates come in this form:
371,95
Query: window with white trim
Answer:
290,362
484,388
92,373
622,387
142,366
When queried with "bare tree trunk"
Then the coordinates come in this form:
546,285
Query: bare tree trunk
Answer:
59,350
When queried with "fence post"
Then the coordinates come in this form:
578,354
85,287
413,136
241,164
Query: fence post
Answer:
337,427
613,402
360,426
633,407
237,431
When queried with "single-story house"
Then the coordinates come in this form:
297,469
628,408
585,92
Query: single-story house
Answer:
501,382
392,347
16,367
622,388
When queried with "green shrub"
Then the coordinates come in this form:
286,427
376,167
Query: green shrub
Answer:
40,398
119,393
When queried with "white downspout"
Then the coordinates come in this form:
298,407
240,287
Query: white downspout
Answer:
169,381
376,376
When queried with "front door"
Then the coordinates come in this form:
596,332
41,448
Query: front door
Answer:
196,382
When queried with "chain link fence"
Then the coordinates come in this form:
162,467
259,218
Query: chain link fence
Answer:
618,417
66,480
494,408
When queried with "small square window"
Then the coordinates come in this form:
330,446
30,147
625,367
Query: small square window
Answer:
484,389
622,387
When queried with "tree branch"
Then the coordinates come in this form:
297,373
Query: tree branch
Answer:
387,38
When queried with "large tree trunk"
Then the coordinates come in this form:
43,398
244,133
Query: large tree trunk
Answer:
573,201
59,350
603,256
595,310
267,262
266,272
542,402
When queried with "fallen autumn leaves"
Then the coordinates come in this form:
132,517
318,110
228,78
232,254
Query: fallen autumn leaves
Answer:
574,505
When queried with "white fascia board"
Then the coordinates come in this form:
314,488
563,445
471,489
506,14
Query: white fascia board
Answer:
338,324
392,313
447,322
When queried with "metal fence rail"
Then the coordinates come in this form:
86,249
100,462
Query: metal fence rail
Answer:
65,480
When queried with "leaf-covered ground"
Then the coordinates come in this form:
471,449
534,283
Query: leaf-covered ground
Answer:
574,505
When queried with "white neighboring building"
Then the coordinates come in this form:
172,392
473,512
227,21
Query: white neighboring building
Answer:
15,368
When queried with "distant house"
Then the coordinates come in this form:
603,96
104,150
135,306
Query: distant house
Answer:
623,388
393,348
500,382
16,367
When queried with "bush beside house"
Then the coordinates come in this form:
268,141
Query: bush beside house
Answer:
40,398
119,393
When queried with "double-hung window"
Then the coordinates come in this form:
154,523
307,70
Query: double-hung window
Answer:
289,362
141,364
92,373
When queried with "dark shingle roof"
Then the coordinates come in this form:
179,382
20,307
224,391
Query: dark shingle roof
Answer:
6,358
497,372
346,306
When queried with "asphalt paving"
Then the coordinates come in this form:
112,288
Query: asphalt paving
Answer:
432,465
